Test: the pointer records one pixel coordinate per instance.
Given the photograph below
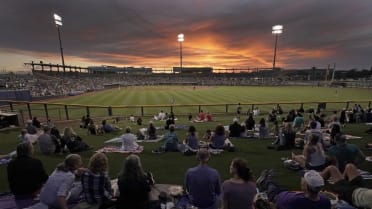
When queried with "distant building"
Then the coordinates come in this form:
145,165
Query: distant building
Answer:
119,70
193,70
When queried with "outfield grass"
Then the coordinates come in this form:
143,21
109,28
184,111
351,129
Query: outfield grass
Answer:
170,167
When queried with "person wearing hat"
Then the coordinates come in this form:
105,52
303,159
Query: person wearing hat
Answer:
349,186
343,153
311,185
202,183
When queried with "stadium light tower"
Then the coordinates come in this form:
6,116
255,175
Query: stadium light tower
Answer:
58,22
181,38
277,29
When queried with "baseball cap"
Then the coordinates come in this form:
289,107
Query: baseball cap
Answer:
314,180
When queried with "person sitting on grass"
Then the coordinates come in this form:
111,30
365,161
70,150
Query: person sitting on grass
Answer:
134,185
26,176
56,191
108,128
298,122
171,140
96,184
311,185
36,122
209,117
192,141
313,130
343,153
48,143
202,183
235,129
239,191
73,142
263,129
249,123
94,129
286,138
219,139
349,185
201,117
207,136
313,157
151,131
129,141
31,129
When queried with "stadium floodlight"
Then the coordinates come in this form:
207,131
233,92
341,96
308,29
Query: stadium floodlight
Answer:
181,38
276,30
58,22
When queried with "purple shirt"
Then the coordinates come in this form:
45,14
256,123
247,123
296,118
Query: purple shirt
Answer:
239,195
192,141
203,186
218,141
297,200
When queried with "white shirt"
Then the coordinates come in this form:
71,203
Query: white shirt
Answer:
129,142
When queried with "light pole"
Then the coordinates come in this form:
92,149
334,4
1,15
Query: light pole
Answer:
181,38
277,29
58,22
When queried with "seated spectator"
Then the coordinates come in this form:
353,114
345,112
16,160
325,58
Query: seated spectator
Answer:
192,141
201,117
290,117
256,111
235,129
56,190
343,153
189,117
169,121
31,129
131,118
134,185
343,118
218,138
23,136
207,136
82,122
272,116
349,185
96,184
139,121
335,130
26,176
36,122
160,116
298,122
129,141
369,116
313,157
202,183
209,117
249,123
313,130
151,131
87,121
94,129
263,129
73,142
239,191
48,143
286,138
310,197
334,122
171,140
108,128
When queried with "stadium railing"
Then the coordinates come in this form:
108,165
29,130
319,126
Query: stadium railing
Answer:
62,112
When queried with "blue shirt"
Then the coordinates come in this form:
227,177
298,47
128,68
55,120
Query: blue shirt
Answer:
344,155
171,141
192,141
203,186
297,200
218,141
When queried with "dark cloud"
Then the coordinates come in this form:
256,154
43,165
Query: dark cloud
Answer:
220,33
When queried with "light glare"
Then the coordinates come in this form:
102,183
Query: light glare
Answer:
57,17
278,27
181,37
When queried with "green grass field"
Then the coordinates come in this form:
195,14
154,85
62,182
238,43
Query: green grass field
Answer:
170,167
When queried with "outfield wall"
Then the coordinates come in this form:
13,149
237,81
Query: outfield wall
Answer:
62,112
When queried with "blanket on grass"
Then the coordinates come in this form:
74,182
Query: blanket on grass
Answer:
115,149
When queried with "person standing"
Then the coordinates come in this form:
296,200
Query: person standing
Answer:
202,183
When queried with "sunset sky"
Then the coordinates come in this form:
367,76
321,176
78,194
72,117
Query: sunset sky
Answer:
218,33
